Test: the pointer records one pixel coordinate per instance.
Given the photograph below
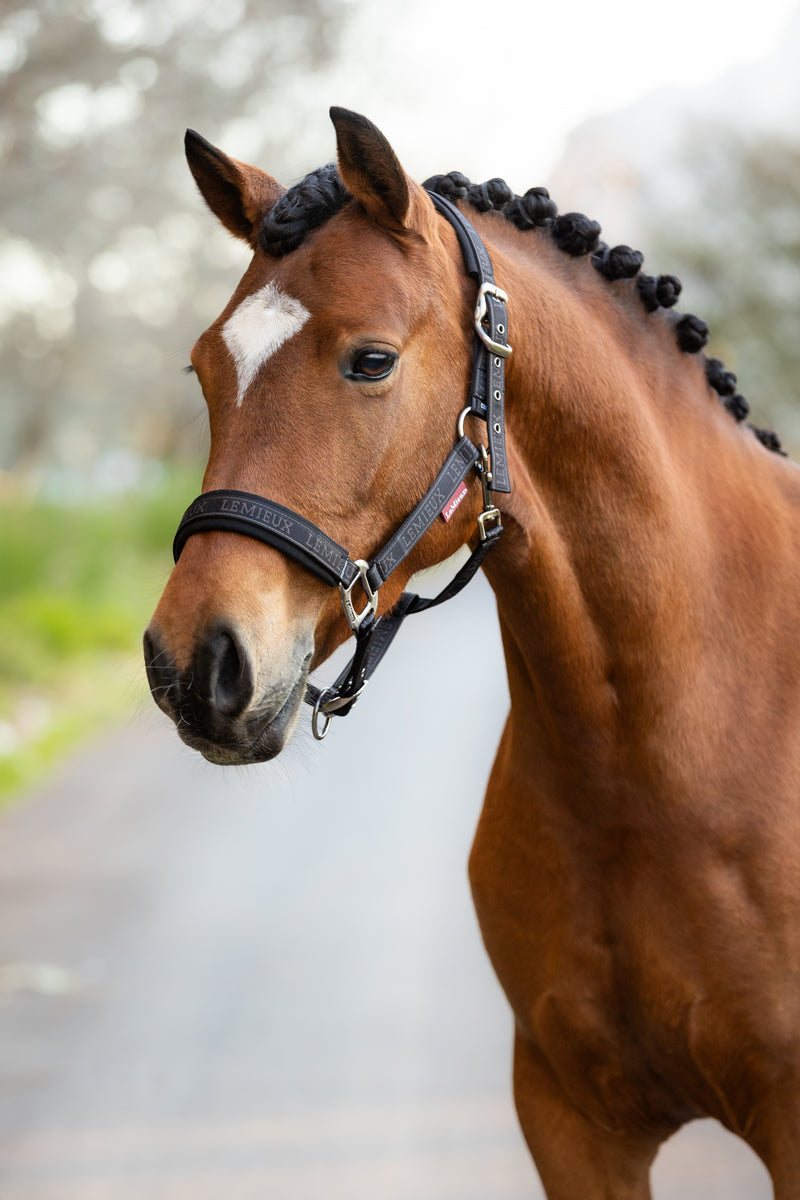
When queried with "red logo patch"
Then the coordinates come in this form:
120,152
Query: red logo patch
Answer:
454,501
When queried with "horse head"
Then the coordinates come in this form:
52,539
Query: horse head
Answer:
334,379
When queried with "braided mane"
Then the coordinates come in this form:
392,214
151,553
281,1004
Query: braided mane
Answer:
302,208
321,194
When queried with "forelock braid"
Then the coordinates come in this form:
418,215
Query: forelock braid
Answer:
306,205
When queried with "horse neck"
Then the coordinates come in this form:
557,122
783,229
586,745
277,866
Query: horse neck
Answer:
622,462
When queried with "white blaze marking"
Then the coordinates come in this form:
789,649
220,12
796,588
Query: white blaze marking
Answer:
259,327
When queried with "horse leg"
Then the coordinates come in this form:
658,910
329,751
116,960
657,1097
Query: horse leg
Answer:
576,1160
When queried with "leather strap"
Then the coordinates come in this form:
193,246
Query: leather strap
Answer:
497,317
269,522
488,373
459,462
301,540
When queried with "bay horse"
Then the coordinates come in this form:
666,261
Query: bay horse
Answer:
636,867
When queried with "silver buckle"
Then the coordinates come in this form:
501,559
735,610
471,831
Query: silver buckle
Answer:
355,619
489,289
489,514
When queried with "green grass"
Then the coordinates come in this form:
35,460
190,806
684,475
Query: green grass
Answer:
77,587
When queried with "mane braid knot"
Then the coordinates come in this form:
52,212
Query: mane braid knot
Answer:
534,209
306,205
737,406
575,234
646,287
489,196
453,186
720,379
668,289
692,333
769,439
617,262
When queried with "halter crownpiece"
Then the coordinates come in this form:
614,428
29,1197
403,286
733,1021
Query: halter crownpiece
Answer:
305,543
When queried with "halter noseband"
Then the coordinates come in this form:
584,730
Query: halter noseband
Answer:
301,540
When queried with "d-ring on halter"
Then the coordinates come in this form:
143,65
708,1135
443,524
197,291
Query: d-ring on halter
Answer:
301,540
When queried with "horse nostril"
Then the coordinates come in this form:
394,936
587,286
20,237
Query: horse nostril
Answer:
229,683
161,672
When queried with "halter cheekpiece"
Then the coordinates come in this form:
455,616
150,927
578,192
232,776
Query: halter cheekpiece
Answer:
301,540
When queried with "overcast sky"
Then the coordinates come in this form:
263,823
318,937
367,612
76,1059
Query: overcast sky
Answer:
494,87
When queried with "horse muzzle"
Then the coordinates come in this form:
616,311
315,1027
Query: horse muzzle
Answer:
222,704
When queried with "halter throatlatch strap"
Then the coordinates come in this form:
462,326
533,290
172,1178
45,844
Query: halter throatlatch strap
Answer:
305,543
487,391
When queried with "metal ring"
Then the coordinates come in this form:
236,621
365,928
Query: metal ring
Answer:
318,733
461,419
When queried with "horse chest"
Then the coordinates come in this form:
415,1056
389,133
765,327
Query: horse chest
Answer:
642,981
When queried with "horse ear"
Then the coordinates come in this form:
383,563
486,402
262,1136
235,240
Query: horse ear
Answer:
370,170
238,194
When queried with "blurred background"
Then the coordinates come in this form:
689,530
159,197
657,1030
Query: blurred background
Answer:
677,128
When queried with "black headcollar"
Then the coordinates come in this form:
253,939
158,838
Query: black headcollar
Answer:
301,540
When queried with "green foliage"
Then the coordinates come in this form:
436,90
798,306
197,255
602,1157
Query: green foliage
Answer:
77,587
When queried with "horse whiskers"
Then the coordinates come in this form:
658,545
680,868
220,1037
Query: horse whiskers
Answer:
153,662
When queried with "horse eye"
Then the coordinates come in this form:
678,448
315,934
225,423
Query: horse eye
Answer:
373,364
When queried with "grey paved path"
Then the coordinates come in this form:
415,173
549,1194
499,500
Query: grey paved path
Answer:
269,982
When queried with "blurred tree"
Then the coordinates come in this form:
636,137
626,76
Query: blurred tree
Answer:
730,227
102,245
